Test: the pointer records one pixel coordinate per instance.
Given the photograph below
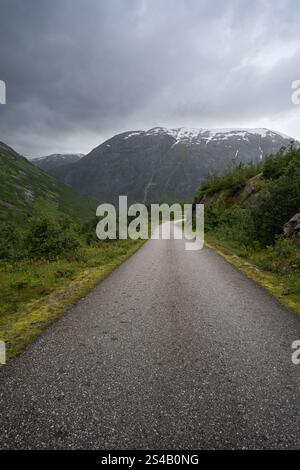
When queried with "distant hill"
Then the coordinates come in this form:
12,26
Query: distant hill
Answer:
55,160
26,190
166,165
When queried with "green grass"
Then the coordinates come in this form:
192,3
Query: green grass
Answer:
277,274
35,293
45,219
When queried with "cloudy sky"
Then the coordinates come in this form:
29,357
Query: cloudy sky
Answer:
79,71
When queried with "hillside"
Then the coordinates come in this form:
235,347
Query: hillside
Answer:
253,203
56,160
28,190
166,165
254,212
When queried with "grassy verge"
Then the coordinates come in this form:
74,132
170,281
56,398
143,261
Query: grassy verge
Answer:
35,293
284,285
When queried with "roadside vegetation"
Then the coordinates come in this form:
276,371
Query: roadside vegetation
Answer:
245,219
47,265
50,256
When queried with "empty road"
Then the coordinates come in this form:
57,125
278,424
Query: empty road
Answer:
174,350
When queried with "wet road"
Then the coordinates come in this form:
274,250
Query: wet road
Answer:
174,350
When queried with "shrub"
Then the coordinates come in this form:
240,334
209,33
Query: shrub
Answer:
10,241
234,223
275,205
276,165
283,257
51,239
231,181
88,231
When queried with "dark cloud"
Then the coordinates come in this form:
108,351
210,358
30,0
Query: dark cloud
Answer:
78,71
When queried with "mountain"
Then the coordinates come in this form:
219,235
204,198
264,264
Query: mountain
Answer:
166,165
26,190
55,160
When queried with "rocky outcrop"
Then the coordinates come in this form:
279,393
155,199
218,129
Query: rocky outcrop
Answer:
292,228
243,197
211,198
252,188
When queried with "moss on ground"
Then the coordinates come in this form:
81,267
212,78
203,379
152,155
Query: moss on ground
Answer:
35,294
279,285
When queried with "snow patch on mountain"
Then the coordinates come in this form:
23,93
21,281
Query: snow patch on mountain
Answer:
197,136
132,134
59,156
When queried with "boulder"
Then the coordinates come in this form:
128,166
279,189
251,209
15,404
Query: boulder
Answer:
292,227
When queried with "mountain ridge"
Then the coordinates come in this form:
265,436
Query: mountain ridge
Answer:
164,164
49,162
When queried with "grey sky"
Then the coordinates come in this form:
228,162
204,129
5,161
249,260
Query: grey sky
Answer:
79,71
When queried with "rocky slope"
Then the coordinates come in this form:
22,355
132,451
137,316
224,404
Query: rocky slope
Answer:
166,165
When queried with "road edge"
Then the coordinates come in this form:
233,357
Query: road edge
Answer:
30,326
270,282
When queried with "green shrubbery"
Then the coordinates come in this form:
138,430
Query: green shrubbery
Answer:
40,238
256,231
10,241
280,199
275,165
231,181
50,239
281,258
88,231
262,222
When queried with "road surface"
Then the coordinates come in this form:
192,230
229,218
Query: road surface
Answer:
174,350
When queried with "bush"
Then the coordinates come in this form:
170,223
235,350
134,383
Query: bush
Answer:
231,181
88,231
234,224
275,205
10,241
283,257
276,165
51,239
272,207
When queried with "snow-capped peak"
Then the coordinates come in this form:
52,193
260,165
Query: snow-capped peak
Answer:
192,135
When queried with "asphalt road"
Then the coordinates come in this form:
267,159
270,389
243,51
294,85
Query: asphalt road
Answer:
175,350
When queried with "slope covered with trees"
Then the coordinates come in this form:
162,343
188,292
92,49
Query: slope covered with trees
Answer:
247,209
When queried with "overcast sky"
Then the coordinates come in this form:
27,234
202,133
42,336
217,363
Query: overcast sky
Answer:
79,71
